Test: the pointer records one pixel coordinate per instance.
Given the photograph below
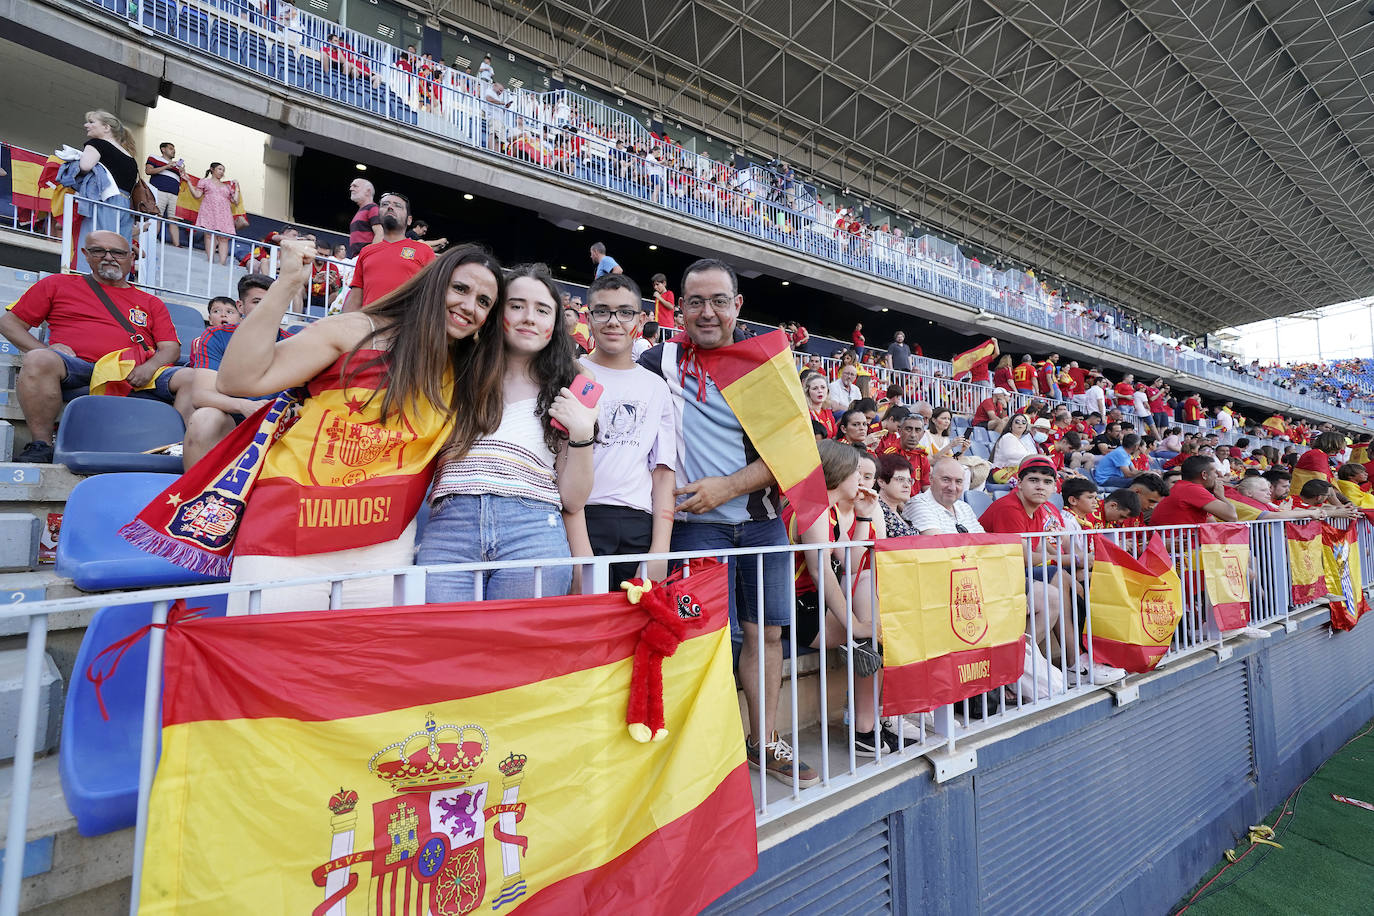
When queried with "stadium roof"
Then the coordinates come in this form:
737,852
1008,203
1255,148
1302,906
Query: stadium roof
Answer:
1207,161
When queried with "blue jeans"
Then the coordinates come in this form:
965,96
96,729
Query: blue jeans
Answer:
743,571
1120,482
471,529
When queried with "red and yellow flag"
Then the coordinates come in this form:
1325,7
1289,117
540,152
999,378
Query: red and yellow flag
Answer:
1276,426
110,371
1305,560
1225,553
1247,509
419,760
954,617
967,361
758,379
1137,604
1344,578
26,168
188,205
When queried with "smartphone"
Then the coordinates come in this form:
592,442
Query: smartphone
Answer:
586,391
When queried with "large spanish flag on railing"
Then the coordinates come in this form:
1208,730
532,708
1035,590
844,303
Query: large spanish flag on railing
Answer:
966,362
758,379
1304,541
954,617
1137,604
1344,578
426,760
26,168
1225,552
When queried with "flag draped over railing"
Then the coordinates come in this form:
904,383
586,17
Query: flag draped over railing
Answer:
1225,553
1304,540
1344,578
448,758
954,617
1137,603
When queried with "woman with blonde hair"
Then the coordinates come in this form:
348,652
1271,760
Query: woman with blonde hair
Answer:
108,144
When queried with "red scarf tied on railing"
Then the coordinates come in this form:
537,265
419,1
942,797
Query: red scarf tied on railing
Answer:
177,613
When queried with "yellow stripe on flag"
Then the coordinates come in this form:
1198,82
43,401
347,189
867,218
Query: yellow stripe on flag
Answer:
1136,605
773,384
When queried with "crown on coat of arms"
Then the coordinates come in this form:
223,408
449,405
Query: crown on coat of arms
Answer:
433,764
343,801
512,764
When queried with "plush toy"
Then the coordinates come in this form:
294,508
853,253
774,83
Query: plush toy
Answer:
673,614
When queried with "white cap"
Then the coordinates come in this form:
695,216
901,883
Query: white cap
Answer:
1002,391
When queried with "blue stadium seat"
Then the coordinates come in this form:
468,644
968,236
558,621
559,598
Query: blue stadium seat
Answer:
98,759
159,15
978,500
101,433
979,449
193,27
90,550
981,434
189,326
224,40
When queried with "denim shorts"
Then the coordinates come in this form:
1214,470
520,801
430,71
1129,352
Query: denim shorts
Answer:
744,576
472,529
79,377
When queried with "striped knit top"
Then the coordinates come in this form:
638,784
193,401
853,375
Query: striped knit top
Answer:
512,461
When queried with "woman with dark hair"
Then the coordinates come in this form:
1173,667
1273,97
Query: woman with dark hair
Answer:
388,388
504,497
217,199
894,492
1014,444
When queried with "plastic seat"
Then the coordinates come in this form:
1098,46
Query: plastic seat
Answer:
979,450
1057,500
189,325
978,500
100,434
981,434
90,549
98,759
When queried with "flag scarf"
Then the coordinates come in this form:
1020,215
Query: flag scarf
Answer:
1318,468
1247,509
967,361
188,205
110,371
1137,604
419,760
1344,579
1305,560
954,617
758,379
1225,553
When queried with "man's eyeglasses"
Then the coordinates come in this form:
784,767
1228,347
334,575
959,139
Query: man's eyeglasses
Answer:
697,303
624,316
100,253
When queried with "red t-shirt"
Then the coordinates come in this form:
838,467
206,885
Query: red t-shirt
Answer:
1049,377
1008,516
858,339
986,410
826,418
386,265
1080,378
1125,394
1001,378
1156,399
77,318
1024,373
1192,410
1184,505
663,310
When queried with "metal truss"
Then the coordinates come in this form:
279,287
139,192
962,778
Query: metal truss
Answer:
1207,161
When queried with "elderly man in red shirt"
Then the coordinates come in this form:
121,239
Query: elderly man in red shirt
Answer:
993,412
82,328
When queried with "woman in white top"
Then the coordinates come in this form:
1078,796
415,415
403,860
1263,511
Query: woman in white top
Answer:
1013,445
940,444
504,497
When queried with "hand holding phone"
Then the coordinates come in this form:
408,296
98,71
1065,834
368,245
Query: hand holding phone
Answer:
583,390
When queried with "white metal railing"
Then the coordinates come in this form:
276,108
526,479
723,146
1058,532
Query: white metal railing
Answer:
365,76
1053,673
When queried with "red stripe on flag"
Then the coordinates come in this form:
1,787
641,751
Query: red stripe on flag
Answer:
809,498
922,686
1231,615
718,836
321,665
1134,658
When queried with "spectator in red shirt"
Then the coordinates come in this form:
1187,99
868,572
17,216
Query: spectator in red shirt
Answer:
1192,409
665,303
80,331
1024,375
1158,396
992,413
1196,499
388,264
1125,392
366,225
1001,374
858,338
1080,379
908,445
817,393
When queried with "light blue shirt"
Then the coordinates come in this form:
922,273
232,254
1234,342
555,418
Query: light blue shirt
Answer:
605,266
1110,465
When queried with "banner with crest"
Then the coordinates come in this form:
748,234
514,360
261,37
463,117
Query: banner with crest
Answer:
445,759
1137,604
954,617
1225,553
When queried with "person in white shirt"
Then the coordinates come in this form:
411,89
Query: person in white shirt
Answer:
845,390
1225,422
939,510
630,508
1095,398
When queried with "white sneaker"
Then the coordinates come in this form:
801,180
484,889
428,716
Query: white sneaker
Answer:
1102,674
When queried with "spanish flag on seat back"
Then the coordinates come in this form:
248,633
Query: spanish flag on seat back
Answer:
1137,604
1305,570
954,617
1225,553
964,363
1344,579
419,760
758,379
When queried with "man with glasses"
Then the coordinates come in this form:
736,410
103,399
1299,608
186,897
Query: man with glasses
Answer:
385,265
939,510
630,508
82,329
730,499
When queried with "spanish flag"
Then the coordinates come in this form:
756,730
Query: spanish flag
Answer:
25,168
954,618
1137,604
964,363
1351,491
1247,509
1344,580
418,760
1305,560
1225,552
188,205
1276,426
110,371
758,379
1313,464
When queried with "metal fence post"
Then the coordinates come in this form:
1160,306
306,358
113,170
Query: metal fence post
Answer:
16,833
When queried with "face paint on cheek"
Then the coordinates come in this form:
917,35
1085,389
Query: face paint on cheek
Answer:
505,324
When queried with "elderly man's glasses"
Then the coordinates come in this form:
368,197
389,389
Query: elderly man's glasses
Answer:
102,253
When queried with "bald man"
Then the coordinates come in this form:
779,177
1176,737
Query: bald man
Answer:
366,225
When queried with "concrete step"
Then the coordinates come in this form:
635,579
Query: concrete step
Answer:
65,872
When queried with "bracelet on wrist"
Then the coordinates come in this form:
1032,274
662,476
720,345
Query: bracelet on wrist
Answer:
864,518
583,443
